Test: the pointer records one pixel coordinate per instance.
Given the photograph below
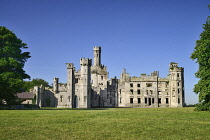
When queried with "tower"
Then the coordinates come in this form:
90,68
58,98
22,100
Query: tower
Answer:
97,56
85,94
70,84
176,85
55,84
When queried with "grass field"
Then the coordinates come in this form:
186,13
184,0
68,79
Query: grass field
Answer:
112,123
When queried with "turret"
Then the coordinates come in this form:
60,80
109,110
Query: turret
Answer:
70,83
55,84
85,95
97,56
124,77
176,85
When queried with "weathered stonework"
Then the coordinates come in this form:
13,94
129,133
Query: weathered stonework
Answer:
90,87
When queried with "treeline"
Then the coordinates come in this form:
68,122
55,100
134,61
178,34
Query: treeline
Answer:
27,85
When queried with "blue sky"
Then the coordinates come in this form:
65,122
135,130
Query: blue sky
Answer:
139,35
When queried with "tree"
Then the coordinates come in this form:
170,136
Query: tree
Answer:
12,60
201,54
35,82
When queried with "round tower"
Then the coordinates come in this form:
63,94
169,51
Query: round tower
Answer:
97,56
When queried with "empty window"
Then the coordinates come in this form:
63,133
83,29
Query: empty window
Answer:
145,100
153,100
120,91
139,100
131,85
138,91
131,91
178,84
61,97
76,80
159,100
166,100
178,100
69,98
149,84
120,100
178,90
131,100
177,74
102,77
138,85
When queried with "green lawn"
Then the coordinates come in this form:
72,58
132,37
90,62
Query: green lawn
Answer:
113,123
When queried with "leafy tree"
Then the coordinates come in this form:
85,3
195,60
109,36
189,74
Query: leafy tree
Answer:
202,56
12,60
35,82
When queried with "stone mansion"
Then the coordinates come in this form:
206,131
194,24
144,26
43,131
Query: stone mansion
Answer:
90,87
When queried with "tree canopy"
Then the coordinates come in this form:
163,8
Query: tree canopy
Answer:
12,61
202,56
35,82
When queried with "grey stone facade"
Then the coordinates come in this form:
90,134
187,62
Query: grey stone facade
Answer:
90,87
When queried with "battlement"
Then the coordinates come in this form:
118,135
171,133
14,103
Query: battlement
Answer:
86,61
55,79
174,67
97,48
70,65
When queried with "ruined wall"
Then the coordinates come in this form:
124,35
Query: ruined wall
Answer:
91,87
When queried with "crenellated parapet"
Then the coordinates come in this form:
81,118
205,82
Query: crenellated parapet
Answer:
85,62
174,67
90,86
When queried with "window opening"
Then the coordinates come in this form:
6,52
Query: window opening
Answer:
153,100
145,100
159,100
85,98
61,97
139,100
69,98
166,100
131,100
131,91
131,85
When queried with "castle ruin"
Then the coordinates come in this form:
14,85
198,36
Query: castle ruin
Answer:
90,87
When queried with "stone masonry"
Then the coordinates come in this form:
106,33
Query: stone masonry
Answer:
90,87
